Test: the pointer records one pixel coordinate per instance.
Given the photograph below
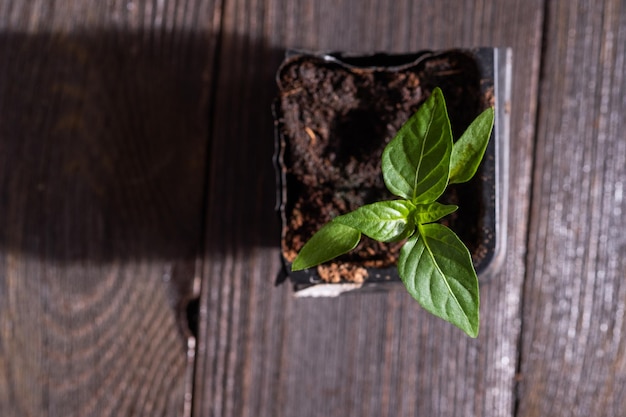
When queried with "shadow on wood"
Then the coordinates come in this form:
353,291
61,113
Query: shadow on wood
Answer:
242,190
104,141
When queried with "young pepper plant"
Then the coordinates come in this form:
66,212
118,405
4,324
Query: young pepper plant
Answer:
417,166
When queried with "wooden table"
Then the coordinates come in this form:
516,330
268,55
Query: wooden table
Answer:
136,176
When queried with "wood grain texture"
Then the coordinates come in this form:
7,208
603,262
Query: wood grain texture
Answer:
263,352
573,357
113,113
103,141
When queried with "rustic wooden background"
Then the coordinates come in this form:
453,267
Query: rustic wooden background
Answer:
136,176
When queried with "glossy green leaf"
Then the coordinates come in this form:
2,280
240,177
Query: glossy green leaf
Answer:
437,270
468,151
428,213
332,240
417,166
416,163
385,221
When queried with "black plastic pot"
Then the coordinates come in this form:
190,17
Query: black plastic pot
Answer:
334,114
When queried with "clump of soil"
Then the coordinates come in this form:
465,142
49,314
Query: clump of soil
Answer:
335,118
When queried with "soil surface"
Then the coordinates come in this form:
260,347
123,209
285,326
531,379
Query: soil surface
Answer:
335,119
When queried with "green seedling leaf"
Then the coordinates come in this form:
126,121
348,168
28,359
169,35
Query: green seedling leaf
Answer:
417,166
437,270
385,221
468,151
428,213
416,163
332,240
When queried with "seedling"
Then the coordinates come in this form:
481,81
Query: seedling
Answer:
417,166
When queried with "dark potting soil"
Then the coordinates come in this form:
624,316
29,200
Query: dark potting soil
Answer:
336,117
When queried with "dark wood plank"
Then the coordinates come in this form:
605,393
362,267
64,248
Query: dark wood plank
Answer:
573,358
264,353
103,140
